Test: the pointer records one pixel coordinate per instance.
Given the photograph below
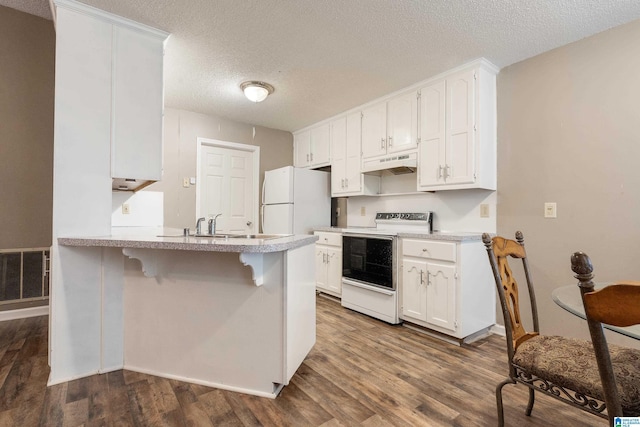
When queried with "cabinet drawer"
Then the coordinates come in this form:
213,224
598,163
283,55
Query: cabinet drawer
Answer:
445,251
329,239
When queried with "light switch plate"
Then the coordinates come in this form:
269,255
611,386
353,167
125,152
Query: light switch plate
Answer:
126,209
363,211
484,210
550,210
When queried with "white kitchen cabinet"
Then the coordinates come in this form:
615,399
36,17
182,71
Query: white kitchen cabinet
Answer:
457,147
390,127
312,148
329,263
446,286
346,159
137,104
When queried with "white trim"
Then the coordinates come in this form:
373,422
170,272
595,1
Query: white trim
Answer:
498,330
109,17
254,149
222,386
23,313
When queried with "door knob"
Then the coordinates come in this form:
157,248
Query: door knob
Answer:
249,223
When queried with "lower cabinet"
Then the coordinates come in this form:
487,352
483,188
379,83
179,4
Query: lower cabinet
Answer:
447,286
329,263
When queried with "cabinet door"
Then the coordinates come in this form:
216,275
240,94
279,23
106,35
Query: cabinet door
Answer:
414,289
402,122
374,131
301,149
334,270
431,153
354,153
460,134
441,295
321,267
137,105
320,145
338,156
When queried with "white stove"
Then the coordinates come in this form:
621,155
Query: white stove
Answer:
370,263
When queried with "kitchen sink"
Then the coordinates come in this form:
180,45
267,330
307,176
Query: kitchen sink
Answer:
258,236
230,236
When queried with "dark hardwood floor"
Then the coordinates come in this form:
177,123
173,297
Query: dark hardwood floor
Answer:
360,372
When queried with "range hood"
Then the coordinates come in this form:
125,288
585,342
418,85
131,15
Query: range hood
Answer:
397,164
128,184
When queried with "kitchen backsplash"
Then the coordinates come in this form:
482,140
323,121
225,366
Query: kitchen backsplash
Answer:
140,209
454,210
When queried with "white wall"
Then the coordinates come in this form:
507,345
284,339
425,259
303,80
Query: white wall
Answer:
457,210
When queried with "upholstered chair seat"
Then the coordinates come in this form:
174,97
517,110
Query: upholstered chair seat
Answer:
571,363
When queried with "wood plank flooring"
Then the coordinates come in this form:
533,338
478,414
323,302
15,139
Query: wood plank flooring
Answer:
360,372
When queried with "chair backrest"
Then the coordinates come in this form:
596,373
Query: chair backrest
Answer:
499,250
618,305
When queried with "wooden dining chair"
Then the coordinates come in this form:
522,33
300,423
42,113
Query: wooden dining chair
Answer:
617,305
561,367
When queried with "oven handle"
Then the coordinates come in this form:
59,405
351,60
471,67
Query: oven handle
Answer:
368,287
369,236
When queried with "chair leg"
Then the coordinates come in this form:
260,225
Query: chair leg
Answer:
499,400
532,397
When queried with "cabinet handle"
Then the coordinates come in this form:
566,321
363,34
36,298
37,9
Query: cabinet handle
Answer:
324,258
390,141
428,278
347,182
421,280
307,157
439,172
447,171
342,183
312,157
382,143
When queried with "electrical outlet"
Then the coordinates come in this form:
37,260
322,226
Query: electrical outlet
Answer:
550,210
185,182
484,210
126,209
363,211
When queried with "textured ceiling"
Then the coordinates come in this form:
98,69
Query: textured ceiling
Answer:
327,56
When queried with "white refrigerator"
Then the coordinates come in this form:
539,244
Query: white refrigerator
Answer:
295,200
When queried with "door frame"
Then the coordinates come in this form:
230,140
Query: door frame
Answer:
255,156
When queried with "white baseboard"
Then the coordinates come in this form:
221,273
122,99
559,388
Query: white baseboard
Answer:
276,391
23,313
498,330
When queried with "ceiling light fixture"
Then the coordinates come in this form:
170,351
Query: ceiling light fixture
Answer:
256,91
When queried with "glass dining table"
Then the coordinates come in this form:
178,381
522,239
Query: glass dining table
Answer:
569,298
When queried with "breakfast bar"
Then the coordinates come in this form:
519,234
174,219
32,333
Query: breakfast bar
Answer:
236,313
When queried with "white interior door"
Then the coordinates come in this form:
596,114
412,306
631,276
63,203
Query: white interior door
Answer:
227,187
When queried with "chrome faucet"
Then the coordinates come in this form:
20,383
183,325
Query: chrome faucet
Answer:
198,225
212,223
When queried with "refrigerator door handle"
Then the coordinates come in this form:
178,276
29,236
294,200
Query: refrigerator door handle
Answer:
264,183
262,215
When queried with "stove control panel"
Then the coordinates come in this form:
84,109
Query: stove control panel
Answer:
405,216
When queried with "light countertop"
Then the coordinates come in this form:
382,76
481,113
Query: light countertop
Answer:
163,238
456,236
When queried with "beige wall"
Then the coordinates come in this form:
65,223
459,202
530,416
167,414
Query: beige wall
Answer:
181,130
27,55
569,132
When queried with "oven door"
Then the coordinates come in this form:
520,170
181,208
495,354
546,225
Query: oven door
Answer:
369,259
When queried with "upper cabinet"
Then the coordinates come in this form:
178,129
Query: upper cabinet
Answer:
346,159
312,147
390,127
137,104
458,131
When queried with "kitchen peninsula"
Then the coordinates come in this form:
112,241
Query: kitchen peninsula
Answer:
232,313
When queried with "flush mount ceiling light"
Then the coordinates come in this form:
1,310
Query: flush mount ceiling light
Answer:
256,91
